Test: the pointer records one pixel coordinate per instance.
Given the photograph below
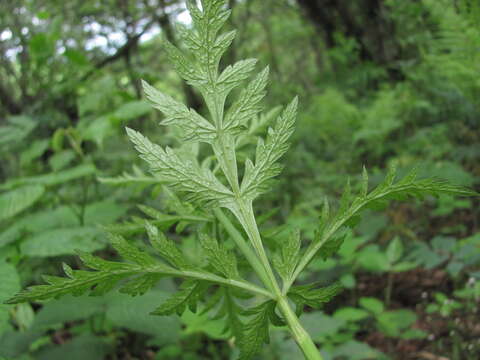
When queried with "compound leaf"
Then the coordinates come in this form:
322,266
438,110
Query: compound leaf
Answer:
199,183
256,330
222,260
313,296
193,125
286,261
248,103
188,296
266,167
166,248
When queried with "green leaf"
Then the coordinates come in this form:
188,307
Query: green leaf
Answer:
354,350
63,242
135,314
130,252
313,296
98,282
137,177
194,126
286,261
203,42
392,323
248,103
408,186
52,179
371,258
256,330
18,128
230,310
364,182
256,178
394,250
131,110
9,285
330,246
184,66
218,257
372,304
199,183
234,74
321,326
82,347
16,201
350,314
166,248
188,296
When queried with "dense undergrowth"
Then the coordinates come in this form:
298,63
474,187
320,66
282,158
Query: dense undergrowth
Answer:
411,272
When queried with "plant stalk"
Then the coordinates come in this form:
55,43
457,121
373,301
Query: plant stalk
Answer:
300,335
258,259
243,246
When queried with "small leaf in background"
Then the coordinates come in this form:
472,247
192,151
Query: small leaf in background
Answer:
371,258
394,322
320,325
394,250
76,57
354,350
348,281
18,128
24,316
350,314
372,304
202,323
33,152
61,159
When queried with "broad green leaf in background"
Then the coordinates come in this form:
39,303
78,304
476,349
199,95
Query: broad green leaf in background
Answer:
15,201
372,304
392,323
63,242
51,179
83,347
9,285
134,313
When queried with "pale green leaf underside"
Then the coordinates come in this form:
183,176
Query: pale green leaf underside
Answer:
186,176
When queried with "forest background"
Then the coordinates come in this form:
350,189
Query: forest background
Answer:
379,81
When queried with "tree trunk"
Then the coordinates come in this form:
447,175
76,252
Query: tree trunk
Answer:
366,21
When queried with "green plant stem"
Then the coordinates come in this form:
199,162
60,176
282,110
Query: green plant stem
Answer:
247,219
224,149
388,290
242,245
300,335
302,338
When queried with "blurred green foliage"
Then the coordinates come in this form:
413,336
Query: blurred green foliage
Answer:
402,85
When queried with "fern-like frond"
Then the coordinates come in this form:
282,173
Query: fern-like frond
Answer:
256,179
327,242
194,126
200,184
